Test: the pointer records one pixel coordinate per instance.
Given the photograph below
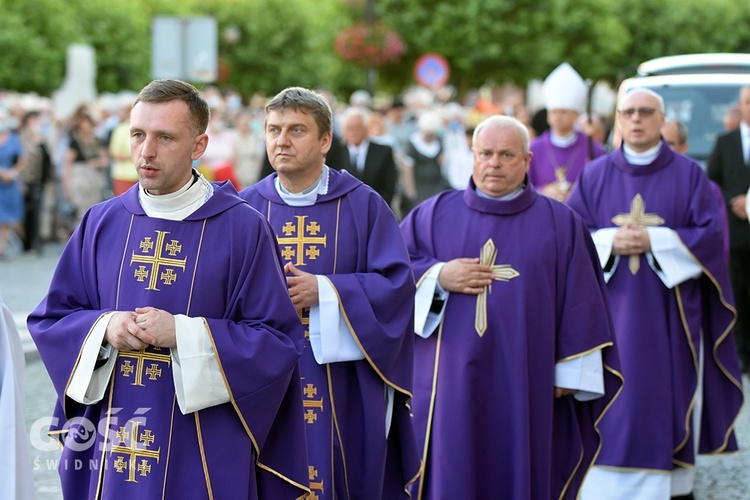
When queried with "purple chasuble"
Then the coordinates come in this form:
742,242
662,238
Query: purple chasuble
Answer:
485,414
221,264
548,158
351,237
658,330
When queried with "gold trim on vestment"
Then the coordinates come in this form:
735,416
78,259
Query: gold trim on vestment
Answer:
359,344
335,420
204,462
693,401
719,341
169,447
433,395
584,353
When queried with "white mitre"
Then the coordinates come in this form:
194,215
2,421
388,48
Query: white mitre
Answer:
565,89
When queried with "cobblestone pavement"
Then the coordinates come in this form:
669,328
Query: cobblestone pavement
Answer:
24,281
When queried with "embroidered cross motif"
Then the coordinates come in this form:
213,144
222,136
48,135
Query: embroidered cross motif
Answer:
500,272
637,216
301,245
314,485
312,406
128,455
140,357
157,261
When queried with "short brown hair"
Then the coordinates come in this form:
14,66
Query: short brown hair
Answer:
306,101
169,89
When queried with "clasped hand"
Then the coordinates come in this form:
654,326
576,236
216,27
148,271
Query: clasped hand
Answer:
134,331
631,239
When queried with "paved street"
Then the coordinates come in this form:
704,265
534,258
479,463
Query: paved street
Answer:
24,281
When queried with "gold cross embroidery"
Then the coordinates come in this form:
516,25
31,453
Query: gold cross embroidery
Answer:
637,216
500,272
314,485
311,405
153,371
295,245
158,260
133,453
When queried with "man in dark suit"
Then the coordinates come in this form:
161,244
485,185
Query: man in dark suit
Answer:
370,162
729,167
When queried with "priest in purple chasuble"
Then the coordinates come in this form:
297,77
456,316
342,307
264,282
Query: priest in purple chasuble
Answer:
561,152
514,357
657,229
349,276
169,335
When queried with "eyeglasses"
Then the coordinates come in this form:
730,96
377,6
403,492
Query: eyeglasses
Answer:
642,112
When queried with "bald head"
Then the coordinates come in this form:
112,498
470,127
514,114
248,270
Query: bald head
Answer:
675,134
641,115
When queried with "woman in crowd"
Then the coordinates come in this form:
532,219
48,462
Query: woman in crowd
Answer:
84,166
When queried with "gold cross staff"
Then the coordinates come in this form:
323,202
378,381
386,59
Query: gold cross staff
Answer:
639,217
500,272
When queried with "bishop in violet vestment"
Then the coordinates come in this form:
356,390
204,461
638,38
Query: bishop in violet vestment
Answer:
220,266
485,414
360,439
673,315
561,164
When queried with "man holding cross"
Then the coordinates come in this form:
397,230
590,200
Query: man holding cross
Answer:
657,228
514,362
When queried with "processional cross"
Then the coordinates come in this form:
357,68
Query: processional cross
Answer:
500,272
639,217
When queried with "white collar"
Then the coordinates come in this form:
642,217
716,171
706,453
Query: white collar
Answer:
562,142
643,158
428,149
309,196
181,203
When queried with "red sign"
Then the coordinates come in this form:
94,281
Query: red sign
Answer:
432,70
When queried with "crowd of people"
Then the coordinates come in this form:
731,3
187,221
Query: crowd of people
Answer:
52,169
416,298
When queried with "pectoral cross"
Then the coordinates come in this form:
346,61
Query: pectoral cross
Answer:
637,216
562,182
500,272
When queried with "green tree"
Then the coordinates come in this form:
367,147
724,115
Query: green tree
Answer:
33,40
504,40
121,36
281,43
679,27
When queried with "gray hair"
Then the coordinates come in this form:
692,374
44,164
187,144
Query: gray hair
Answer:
305,101
682,130
355,111
503,121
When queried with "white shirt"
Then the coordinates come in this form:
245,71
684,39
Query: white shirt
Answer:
361,154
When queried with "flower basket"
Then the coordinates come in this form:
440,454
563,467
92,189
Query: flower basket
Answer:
372,45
